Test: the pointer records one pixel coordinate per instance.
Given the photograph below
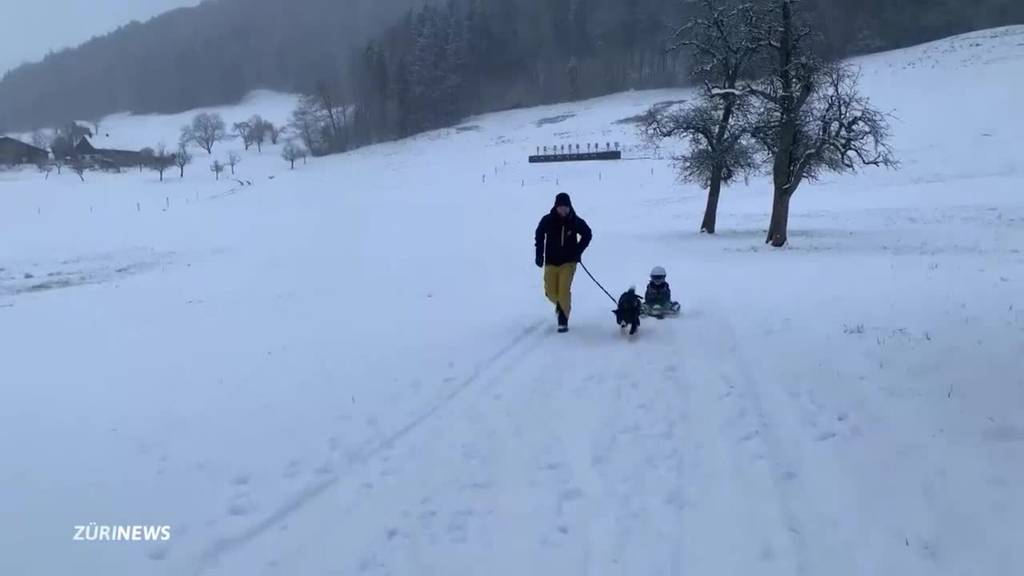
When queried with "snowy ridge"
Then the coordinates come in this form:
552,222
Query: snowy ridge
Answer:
350,367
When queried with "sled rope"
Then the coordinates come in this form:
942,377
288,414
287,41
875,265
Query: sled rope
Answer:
612,298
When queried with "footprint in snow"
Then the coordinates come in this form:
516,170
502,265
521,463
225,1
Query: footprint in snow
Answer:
325,469
241,505
1004,434
293,469
571,494
158,552
749,436
825,436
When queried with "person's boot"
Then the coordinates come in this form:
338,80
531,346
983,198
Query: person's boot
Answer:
563,320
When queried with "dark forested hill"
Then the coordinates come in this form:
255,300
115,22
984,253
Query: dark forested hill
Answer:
210,54
863,26
500,53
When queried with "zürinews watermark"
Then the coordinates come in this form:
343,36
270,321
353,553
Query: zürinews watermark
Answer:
93,532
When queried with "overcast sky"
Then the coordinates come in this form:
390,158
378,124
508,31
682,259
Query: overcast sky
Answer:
31,28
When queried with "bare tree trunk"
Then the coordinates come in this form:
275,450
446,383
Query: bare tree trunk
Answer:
711,213
778,229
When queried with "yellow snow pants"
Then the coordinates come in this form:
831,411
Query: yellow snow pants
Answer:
558,285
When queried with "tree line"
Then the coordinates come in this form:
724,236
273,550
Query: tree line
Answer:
197,57
205,131
443,62
416,64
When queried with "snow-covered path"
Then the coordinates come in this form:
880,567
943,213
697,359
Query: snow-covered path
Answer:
562,459
351,369
650,458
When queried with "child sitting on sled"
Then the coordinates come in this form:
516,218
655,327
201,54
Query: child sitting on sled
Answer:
658,297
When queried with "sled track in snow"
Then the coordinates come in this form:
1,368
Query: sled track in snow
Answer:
224,546
780,464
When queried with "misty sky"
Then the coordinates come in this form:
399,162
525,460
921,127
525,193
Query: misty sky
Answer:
28,30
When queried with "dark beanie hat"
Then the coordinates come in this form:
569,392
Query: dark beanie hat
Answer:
563,200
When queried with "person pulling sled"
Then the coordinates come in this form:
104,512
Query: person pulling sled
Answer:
560,240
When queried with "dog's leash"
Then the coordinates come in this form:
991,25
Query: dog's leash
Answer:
614,301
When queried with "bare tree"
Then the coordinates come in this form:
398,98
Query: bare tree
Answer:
217,168
205,131
306,123
62,146
42,139
321,120
244,131
234,160
812,118
78,166
292,152
258,128
182,158
273,132
162,160
723,46
46,168
146,157
719,148
333,109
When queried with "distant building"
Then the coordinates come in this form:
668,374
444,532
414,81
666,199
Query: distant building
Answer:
85,149
14,152
106,158
77,131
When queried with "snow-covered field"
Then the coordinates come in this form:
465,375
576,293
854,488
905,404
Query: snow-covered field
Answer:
351,368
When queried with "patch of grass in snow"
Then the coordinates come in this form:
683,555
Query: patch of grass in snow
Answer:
643,116
856,329
554,119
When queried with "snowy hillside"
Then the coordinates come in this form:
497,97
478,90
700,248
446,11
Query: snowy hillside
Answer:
350,368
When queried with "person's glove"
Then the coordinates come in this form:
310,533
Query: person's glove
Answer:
539,261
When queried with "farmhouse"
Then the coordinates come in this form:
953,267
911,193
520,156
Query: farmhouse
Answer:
107,158
14,152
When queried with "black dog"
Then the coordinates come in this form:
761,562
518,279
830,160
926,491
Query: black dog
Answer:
628,312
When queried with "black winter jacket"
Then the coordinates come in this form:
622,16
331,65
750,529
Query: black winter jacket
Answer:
658,294
561,240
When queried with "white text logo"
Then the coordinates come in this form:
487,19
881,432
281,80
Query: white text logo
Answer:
101,533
